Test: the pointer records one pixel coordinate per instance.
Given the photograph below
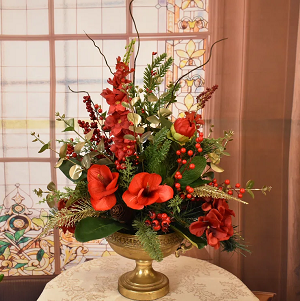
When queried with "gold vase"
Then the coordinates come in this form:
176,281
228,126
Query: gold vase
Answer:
143,283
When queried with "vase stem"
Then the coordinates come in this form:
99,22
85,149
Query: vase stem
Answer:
143,283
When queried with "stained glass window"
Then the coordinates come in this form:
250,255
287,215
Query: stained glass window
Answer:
43,52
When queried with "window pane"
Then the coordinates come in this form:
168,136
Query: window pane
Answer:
24,17
90,17
24,97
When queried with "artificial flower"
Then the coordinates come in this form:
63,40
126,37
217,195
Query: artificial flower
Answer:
182,130
145,189
102,184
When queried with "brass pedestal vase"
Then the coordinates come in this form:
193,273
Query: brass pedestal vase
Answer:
143,283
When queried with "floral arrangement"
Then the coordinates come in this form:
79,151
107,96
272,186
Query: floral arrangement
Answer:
139,171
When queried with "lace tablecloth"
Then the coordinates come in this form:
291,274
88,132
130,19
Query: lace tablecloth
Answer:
190,280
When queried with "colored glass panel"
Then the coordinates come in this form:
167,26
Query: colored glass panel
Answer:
23,250
171,16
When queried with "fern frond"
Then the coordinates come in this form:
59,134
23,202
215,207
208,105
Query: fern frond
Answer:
160,156
214,192
69,217
155,154
148,239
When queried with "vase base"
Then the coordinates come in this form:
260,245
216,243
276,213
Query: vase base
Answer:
143,291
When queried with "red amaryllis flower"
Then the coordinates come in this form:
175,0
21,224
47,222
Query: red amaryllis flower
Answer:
144,190
218,227
102,184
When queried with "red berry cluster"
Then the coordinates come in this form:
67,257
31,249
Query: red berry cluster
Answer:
203,97
88,104
160,221
229,190
70,150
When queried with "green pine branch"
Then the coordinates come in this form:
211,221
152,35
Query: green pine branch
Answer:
148,239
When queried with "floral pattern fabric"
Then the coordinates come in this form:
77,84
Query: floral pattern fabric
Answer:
190,279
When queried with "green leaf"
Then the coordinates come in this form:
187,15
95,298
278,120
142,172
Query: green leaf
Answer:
249,184
92,228
24,239
65,167
199,182
2,249
1,277
43,148
40,254
70,122
250,192
10,236
165,122
19,234
198,242
19,265
191,175
69,129
4,218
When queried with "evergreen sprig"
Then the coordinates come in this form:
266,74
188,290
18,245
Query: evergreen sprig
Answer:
148,77
156,154
148,239
174,204
127,174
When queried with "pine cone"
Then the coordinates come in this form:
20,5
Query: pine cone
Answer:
121,213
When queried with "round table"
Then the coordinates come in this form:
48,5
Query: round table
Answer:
190,280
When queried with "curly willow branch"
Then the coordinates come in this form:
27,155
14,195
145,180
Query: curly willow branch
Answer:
210,53
100,52
214,192
138,49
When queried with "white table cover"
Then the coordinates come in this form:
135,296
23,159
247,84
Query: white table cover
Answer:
190,280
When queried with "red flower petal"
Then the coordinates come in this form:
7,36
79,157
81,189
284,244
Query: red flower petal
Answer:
136,184
198,228
165,193
147,199
101,173
212,241
131,200
104,203
152,181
